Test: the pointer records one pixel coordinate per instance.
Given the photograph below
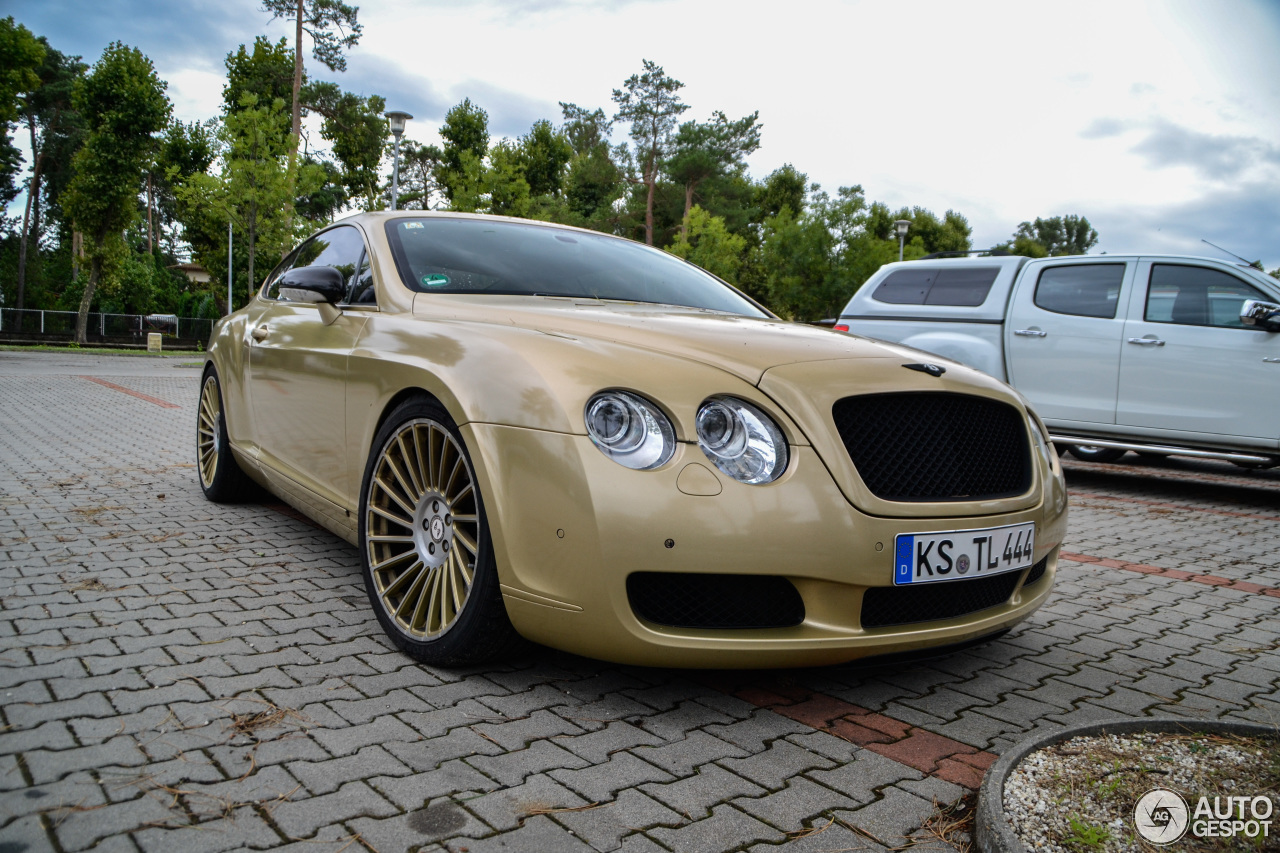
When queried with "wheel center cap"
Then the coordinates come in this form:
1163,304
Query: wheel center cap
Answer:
437,528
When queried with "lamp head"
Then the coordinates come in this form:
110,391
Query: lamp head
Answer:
397,120
901,226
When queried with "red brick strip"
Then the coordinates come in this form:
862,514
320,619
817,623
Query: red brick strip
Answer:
927,752
114,387
1163,505
1175,574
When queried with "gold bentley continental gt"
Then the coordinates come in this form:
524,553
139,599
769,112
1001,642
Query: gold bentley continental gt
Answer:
539,431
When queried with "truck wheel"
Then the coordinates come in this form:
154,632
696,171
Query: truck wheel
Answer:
1093,453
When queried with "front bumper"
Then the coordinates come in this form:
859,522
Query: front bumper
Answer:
569,526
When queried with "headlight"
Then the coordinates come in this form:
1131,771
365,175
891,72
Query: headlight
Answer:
1043,446
741,440
629,430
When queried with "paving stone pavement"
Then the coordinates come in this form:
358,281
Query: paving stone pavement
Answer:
179,675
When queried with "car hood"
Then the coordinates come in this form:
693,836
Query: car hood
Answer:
747,347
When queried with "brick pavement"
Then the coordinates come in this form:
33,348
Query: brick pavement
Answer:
176,675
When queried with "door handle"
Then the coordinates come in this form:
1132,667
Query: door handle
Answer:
1147,342
1272,360
1030,333
260,333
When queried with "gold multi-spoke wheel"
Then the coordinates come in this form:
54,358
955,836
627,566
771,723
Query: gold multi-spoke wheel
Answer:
220,475
427,556
209,431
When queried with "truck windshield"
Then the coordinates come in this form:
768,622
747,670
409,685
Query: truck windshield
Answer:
479,256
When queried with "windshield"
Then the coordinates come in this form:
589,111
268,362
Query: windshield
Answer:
479,256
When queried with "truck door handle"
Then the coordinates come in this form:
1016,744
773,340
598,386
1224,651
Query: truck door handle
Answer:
1147,342
1030,333
260,333
1272,360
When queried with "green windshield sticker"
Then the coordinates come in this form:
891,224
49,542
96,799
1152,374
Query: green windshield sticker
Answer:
435,280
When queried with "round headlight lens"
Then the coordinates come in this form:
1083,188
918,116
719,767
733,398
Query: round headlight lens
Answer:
741,440
629,430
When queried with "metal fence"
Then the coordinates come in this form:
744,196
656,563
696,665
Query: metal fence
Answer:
62,323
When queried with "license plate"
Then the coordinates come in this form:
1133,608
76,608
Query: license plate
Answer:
957,554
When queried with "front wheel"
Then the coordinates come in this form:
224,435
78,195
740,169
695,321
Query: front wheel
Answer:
1094,453
425,548
221,477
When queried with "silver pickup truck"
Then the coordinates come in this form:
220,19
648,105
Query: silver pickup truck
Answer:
1152,353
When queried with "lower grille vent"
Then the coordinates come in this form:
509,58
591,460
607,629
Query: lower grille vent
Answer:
683,600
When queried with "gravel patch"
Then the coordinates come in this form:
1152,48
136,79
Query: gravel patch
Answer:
1080,794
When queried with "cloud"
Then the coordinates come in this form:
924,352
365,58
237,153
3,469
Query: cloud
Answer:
1245,220
1214,157
510,113
409,91
170,34
1104,128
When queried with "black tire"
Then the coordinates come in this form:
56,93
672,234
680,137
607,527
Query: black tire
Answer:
413,583
1093,453
221,477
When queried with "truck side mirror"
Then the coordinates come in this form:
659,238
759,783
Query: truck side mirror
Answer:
1264,315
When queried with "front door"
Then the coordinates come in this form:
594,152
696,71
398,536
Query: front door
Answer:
1189,365
298,374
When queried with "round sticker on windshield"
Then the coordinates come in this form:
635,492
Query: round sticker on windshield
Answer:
435,280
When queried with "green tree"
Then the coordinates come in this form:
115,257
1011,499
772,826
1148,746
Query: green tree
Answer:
1057,235
706,241
544,154
650,103
354,125
333,28
266,72
785,188
504,182
420,184
124,105
466,142
21,56
701,151
928,234
55,132
593,180
253,192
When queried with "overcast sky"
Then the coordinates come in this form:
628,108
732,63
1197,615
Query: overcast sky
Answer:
1159,121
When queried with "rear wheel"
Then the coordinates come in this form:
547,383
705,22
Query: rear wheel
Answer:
1093,453
424,542
221,477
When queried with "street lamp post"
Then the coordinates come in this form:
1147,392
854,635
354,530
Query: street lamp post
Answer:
397,119
901,226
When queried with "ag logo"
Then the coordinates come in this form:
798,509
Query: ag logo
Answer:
1161,816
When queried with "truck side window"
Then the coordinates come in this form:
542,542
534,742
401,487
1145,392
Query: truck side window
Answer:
1086,290
1196,296
959,286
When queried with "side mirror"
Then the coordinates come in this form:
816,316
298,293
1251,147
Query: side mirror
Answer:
1264,315
313,284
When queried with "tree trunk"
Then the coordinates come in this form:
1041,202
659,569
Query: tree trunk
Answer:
151,248
297,81
77,253
82,319
33,191
688,205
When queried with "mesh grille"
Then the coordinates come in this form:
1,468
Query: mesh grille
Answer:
883,606
715,601
1037,572
935,446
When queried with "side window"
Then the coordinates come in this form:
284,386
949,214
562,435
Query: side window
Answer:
340,248
1196,296
967,286
905,287
362,291
1086,290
